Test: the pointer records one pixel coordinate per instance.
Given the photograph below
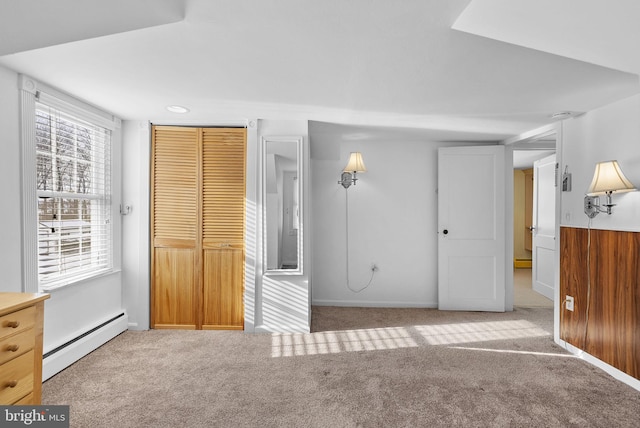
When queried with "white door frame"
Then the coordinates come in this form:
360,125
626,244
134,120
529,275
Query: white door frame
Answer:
510,144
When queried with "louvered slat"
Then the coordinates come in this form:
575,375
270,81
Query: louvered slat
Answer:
175,202
223,192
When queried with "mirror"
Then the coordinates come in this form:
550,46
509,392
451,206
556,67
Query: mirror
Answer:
282,198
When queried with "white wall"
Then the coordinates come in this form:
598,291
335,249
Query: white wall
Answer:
135,225
11,249
392,222
610,132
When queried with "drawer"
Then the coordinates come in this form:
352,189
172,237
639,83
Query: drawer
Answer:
17,321
16,378
16,345
25,401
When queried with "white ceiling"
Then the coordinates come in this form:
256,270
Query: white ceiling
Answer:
605,33
357,62
32,24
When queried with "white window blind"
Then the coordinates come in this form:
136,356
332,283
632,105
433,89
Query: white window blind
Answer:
73,168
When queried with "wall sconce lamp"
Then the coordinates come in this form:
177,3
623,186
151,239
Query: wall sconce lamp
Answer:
355,165
607,178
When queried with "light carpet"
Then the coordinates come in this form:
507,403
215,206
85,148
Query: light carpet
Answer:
360,367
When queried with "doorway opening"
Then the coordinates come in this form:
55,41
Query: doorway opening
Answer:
534,232
524,296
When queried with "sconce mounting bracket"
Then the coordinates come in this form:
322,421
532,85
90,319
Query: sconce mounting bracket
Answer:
591,206
347,179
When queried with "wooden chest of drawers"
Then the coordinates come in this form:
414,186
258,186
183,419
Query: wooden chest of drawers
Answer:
21,322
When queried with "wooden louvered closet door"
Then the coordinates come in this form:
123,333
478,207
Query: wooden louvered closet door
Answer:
197,233
223,196
174,227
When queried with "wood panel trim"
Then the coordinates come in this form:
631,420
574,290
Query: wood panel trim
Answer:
38,349
173,243
174,327
223,327
611,331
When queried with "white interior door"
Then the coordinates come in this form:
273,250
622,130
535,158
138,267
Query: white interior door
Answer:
544,226
471,228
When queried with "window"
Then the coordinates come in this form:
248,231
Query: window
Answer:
73,188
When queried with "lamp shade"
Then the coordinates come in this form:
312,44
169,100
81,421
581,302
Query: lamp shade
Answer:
356,164
608,177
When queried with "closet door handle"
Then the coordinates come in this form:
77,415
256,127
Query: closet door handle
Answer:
446,232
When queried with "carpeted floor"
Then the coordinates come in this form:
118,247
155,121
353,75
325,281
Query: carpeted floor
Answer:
361,367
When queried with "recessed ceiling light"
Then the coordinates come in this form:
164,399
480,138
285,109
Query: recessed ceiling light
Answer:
561,115
177,109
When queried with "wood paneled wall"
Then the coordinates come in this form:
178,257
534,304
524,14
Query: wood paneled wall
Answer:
611,330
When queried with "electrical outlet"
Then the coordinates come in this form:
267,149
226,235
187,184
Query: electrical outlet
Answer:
569,303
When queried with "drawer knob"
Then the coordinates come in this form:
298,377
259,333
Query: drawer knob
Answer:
13,324
12,348
11,383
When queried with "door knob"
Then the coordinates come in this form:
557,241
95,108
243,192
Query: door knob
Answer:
445,231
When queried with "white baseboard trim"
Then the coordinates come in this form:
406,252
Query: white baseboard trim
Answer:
69,354
366,304
135,326
609,369
281,329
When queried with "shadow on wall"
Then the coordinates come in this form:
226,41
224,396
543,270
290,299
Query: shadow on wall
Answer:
284,304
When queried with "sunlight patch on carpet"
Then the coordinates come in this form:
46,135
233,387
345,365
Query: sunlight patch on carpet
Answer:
333,342
449,334
510,351
379,339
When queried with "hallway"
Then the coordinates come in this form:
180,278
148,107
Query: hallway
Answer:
523,294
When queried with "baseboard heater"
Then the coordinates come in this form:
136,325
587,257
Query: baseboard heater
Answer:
522,263
68,353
